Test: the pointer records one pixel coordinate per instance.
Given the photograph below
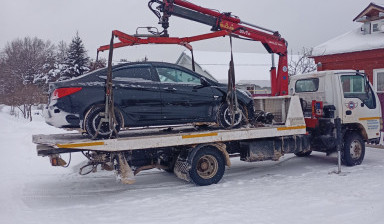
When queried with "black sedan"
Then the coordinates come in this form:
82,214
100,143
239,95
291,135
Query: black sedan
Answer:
145,94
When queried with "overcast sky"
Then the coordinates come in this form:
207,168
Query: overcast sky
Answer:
303,23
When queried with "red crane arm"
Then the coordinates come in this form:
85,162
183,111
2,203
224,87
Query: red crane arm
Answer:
271,40
223,24
129,40
227,22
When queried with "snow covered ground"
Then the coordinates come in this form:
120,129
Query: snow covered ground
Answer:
293,190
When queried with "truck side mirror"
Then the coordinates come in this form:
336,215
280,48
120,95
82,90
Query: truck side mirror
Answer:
366,83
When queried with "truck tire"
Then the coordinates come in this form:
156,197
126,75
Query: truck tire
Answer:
354,149
224,118
92,121
303,154
208,166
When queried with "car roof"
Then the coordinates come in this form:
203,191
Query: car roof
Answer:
153,63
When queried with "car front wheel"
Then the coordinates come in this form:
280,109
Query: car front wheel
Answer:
225,114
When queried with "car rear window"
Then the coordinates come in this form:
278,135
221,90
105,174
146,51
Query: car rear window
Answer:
133,74
307,85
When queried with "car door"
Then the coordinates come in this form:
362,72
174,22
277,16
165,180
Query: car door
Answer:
137,94
184,98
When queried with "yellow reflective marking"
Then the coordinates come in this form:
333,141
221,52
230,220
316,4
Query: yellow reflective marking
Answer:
79,145
200,135
291,128
368,118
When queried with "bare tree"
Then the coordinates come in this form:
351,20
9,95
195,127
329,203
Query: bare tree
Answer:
94,65
301,63
25,70
26,58
2,79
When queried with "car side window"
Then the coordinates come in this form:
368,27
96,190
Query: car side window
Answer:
133,74
175,75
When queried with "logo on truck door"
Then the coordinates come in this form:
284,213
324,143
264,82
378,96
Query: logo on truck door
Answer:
351,105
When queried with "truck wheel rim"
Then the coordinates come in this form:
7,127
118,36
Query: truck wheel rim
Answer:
227,117
355,149
207,166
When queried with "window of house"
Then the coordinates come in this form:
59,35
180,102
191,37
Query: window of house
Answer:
375,27
378,80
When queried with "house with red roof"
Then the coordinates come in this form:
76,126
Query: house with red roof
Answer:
360,49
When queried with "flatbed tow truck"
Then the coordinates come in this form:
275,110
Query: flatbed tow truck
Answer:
193,155
332,111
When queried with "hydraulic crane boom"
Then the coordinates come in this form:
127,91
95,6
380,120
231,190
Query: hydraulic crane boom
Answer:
271,40
223,24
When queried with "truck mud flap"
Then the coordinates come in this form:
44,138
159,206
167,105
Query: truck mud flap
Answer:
182,168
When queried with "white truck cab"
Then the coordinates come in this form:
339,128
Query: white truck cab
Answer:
344,94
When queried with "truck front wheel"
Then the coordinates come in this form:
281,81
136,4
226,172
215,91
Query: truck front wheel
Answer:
208,166
354,149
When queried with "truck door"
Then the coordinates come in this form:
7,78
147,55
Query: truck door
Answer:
360,104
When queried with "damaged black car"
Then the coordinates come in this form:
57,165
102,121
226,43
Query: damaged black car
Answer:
145,94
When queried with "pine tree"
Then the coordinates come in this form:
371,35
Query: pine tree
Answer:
60,67
77,60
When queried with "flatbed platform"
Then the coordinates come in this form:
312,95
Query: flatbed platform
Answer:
294,124
133,140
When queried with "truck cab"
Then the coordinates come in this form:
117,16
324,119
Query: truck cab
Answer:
344,94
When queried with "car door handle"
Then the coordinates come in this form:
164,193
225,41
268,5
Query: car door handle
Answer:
168,89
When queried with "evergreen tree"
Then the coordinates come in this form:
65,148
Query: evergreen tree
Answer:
77,60
60,66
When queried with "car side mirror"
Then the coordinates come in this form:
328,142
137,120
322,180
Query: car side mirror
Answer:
204,82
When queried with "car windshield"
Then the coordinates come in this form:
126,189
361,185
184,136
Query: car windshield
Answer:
199,71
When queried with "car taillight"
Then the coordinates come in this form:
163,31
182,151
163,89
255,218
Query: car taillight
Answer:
61,92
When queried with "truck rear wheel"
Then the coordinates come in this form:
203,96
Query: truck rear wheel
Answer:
208,166
354,149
